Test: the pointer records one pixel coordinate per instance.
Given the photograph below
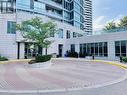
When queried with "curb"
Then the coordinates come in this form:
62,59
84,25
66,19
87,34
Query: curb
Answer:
21,60
121,65
107,62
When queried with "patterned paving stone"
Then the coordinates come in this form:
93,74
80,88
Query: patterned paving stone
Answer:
62,75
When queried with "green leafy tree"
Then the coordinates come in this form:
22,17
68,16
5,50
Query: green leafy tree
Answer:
110,26
35,30
123,22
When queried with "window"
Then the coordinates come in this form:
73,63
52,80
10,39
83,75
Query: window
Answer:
74,35
67,15
72,47
105,49
117,48
39,7
11,27
7,6
77,17
120,48
123,48
98,49
89,49
84,49
81,48
92,48
31,4
68,35
60,33
77,7
24,4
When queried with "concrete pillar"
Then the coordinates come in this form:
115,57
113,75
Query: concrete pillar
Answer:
77,49
111,50
64,34
22,50
44,51
64,50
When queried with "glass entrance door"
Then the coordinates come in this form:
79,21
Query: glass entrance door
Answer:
32,50
60,50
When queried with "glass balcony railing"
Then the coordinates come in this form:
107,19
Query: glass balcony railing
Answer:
58,3
23,7
110,31
54,13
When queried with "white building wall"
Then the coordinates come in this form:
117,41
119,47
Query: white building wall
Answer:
110,38
8,45
8,42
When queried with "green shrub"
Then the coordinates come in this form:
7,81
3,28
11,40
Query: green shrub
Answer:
43,58
81,55
124,59
72,54
3,58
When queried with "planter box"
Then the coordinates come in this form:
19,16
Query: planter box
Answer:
43,65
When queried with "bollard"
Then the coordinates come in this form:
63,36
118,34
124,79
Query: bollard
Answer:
121,59
93,57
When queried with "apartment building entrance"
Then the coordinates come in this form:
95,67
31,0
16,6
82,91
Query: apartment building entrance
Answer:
60,47
32,50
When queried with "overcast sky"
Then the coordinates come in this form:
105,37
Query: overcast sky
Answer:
108,10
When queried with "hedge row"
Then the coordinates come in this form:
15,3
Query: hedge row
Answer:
124,59
3,58
42,58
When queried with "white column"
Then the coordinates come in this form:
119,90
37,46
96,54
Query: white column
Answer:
77,49
22,50
44,51
65,48
111,50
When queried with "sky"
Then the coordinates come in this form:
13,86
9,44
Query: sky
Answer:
105,11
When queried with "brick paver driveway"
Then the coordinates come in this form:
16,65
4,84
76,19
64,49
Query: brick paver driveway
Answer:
64,77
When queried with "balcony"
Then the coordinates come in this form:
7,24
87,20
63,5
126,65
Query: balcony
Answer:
57,1
54,11
53,3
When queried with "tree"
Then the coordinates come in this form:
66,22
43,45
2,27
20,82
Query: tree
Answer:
110,26
35,30
123,22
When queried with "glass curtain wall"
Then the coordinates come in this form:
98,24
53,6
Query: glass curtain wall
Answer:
73,13
97,49
30,5
78,14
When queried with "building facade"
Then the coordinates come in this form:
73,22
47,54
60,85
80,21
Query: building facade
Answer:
73,12
74,21
88,15
69,15
108,46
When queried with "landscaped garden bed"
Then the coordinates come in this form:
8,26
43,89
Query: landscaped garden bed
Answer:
41,59
124,59
2,58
